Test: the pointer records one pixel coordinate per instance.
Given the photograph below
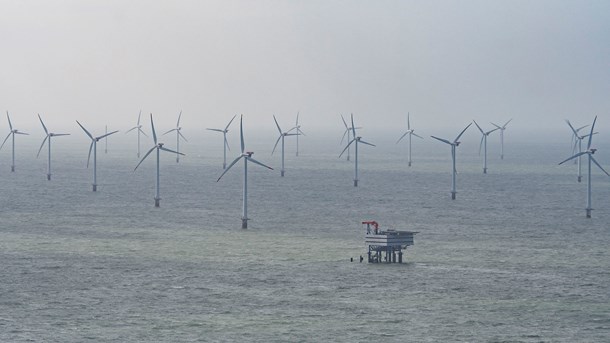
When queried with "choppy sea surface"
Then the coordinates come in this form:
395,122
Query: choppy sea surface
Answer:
513,259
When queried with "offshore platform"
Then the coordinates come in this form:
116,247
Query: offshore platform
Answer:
388,242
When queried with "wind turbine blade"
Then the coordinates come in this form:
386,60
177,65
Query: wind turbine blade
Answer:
179,115
276,143
416,135
142,132
591,133
401,137
442,140
82,127
107,134
461,133
367,143
572,127
229,124
278,125
60,134
241,133
257,162
152,124
229,167
475,123
181,135
5,140
504,126
44,127
299,131
344,123
89,156
9,121
353,127
573,157
408,121
169,131
344,133
41,145
145,156
297,122
490,131
481,144
496,125
600,167
172,151
217,130
347,146
133,128
139,115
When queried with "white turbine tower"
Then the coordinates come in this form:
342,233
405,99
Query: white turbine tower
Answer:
12,133
178,136
348,132
356,139
281,137
502,128
226,143
484,144
454,145
577,138
93,147
298,131
247,156
48,137
410,132
590,153
158,147
139,130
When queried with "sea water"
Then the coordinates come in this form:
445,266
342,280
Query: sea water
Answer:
512,259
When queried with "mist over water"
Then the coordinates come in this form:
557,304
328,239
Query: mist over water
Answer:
512,259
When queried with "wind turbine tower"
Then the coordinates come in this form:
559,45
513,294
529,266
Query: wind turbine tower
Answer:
247,156
578,143
138,127
12,133
453,145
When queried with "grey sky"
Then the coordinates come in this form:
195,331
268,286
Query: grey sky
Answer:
447,62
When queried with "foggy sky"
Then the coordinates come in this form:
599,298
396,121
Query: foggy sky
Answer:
445,62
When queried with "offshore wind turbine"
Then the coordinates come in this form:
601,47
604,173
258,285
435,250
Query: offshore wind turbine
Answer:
356,139
158,146
138,127
297,127
410,132
502,128
484,144
12,133
577,138
247,156
48,138
93,147
225,142
178,136
281,137
590,151
454,144
348,132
